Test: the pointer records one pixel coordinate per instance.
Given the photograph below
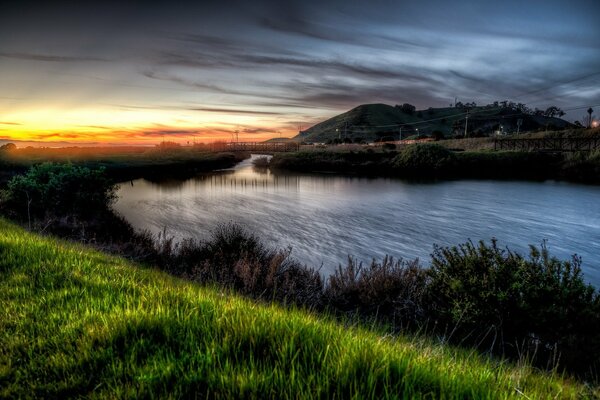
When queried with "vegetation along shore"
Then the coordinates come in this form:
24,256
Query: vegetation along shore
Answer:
77,322
531,309
445,159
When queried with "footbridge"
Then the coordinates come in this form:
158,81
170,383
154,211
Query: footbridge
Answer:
571,144
258,147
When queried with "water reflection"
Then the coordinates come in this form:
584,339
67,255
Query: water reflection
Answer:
325,218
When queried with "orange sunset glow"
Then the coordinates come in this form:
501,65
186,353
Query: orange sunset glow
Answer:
82,126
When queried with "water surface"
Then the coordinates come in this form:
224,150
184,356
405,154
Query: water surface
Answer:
326,218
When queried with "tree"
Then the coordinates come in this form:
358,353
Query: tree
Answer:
437,134
586,120
408,108
553,111
57,191
8,147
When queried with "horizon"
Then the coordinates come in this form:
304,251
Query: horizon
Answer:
98,75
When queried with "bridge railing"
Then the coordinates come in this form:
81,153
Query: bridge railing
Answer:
258,146
572,144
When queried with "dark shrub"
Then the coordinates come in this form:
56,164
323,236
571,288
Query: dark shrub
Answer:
391,290
236,259
389,146
424,159
501,301
507,164
261,162
437,135
58,190
8,147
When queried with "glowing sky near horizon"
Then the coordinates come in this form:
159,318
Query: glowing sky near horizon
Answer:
138,73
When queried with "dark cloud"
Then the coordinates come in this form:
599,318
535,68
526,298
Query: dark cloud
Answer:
51,58
96,127
39,143
187,83
235,111
295,25
259,130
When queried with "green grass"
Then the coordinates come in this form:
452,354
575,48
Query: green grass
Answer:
122,163
76,322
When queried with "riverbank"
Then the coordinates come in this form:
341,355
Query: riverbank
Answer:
432,161
122,164
515,303
76,322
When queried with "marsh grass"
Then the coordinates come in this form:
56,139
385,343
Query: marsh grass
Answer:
439,161
76,322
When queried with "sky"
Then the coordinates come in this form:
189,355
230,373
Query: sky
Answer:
144,72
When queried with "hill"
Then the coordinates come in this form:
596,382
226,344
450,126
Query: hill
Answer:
79,323
372,122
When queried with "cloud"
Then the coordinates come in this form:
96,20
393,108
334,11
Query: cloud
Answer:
51,58
9,123
188,83
259,130
306,28
235,111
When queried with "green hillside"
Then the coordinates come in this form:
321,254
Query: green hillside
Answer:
372,122
76,322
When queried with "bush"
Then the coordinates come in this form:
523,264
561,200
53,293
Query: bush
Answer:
58,190
507,164
391,290
424,159
236,259
261,162
537,306
8,147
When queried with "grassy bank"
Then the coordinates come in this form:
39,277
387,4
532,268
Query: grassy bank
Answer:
429,161
122,163
76,322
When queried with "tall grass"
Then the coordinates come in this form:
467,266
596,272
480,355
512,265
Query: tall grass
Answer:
439,162
76,322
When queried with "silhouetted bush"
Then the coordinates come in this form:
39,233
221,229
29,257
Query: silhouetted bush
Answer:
507,164
392,291
537,307
58,190
261,162
425,160
236,259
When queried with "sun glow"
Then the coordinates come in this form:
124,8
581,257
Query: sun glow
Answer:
131,126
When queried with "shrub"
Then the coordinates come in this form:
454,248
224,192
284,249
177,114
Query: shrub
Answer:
58,190
236,259
507,164
391,290
537,306
8,147
424,159
261,162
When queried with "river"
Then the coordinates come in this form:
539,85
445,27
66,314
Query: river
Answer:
325,218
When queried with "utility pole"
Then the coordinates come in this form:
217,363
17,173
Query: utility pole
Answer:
400,133
590,111
466,122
